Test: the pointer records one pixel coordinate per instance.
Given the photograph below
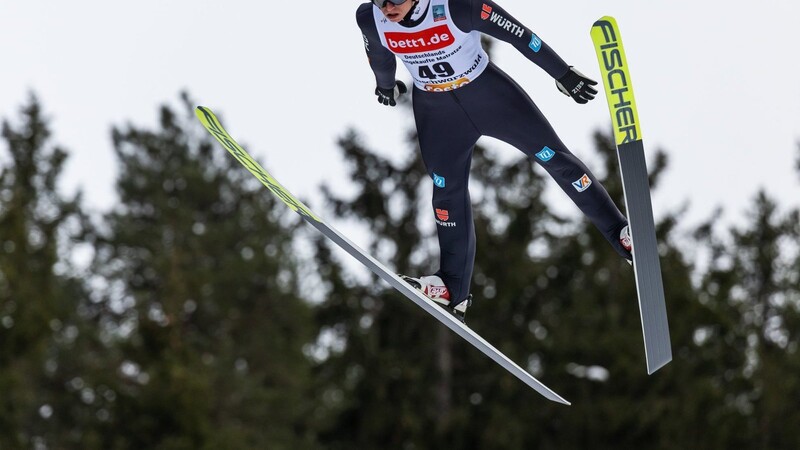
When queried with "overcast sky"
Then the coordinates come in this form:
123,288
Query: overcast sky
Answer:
715,83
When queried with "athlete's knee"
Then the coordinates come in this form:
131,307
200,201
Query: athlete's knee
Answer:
566,167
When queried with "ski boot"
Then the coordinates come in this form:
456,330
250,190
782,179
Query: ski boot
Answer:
433,287
626,241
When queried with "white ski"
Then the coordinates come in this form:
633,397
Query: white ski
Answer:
210,121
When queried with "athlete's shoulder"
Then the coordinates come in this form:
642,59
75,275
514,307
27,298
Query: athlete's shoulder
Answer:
459,4
364,10
461,11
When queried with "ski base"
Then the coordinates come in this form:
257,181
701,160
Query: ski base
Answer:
646,263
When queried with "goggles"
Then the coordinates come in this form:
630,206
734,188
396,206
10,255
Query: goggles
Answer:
382,3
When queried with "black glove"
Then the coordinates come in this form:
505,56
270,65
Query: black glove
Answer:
577,86
388,96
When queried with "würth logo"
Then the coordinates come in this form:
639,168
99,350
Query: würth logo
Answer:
443,218
485,11
500,21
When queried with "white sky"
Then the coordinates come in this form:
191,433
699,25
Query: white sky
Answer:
715,83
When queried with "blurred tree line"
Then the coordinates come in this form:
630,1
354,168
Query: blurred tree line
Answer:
186,318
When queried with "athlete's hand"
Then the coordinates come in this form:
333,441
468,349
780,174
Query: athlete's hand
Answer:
577,86
389,96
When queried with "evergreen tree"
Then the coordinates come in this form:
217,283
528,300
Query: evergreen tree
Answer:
202,299
438,386
196,335
39,291
755,284
386,362
552,295
589,307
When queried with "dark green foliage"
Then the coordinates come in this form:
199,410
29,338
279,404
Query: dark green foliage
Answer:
203,299
550,293
39,325
196,334
755,288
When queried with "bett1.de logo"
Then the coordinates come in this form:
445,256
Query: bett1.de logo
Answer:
422,41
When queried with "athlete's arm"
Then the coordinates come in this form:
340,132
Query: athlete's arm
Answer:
381,60
489,18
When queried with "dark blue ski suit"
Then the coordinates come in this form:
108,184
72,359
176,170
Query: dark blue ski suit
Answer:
453,107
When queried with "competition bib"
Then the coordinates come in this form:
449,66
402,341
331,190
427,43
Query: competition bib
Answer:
439,56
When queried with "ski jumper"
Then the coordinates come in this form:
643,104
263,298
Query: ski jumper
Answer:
458,97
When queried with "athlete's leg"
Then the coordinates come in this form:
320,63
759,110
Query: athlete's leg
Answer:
506,112
446,138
